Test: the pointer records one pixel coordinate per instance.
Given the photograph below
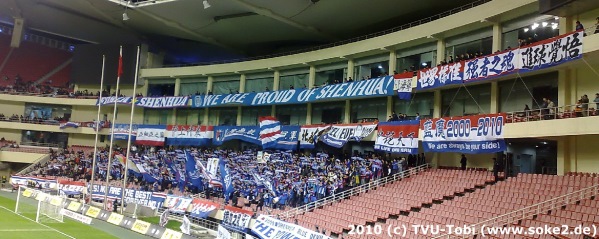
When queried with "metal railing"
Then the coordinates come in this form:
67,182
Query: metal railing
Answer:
353,191
530,211
551,113
339,43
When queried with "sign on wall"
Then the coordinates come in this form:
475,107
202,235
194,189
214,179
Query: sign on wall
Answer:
466,134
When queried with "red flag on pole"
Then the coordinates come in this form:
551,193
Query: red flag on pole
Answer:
120,72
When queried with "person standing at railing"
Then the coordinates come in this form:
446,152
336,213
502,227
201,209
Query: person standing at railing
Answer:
496,167
585,105
580,27
463,162
597,28
596,101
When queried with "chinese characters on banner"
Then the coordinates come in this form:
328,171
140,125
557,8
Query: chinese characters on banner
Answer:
339,135
540,55
398,137
468,134
152,135
189,135
236,219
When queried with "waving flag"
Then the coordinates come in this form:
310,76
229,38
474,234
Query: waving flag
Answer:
403,85
270,131
192,171
185,225
226,178
120,70
164,218
123,161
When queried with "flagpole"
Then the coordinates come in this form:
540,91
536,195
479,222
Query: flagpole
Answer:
110,150
97,131
130,129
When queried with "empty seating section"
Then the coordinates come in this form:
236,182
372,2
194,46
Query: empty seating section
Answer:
392,199
32,61
4,47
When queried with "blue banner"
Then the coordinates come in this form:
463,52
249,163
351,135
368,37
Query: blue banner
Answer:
440,76
225,175
290,138
357,89
193,174
121,132
144,198
111,99
250,134
475,134
162,102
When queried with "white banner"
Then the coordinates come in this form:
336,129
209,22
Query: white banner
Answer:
309,134
76,216
338,135
212,167
223,233
267,227
189,135
177,204
150,135
236,220
37,182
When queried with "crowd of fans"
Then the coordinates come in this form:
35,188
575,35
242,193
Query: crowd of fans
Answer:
22,86
296,178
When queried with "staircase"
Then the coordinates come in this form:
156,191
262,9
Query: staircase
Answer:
53,71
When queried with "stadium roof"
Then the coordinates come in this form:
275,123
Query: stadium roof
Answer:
239,25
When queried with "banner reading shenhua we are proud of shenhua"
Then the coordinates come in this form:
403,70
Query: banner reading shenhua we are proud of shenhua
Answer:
398,137
147,102
357,89
540,55
467,134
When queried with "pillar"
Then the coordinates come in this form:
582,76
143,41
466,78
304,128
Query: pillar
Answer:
494,98
277,80
347,112
177,93
392,61
566,25
437,106
238,121
389,107
351,66
18,32
497,37
440,50
273,110
242,79
309,113
208,90
311,77
567,87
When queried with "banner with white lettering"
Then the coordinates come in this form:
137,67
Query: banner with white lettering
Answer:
250,134
340,134
382,86
289,139
267,227
236,219
69,187
36,182
111,99
148,199
491,66
466,134
440,76
177,204
152,135
121,132
223,233
309,135
202,208
398,137
189,135
162,102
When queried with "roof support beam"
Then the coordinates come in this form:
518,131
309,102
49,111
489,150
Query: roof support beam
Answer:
270,14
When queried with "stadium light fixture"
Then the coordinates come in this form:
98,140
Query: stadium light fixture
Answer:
556,18
526,29
125,16
380,67
534,26
544,24
554,26
206,4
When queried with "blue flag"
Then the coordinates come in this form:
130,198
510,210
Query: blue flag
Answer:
226,178
193,174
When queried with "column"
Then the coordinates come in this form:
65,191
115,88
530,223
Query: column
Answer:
566,85
392,61
311,77
177,93
566,25
351,65
347,112
389,108
437,106
309,113
208,89
238,122
494,98
440,51
277,80
242,79
497,37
